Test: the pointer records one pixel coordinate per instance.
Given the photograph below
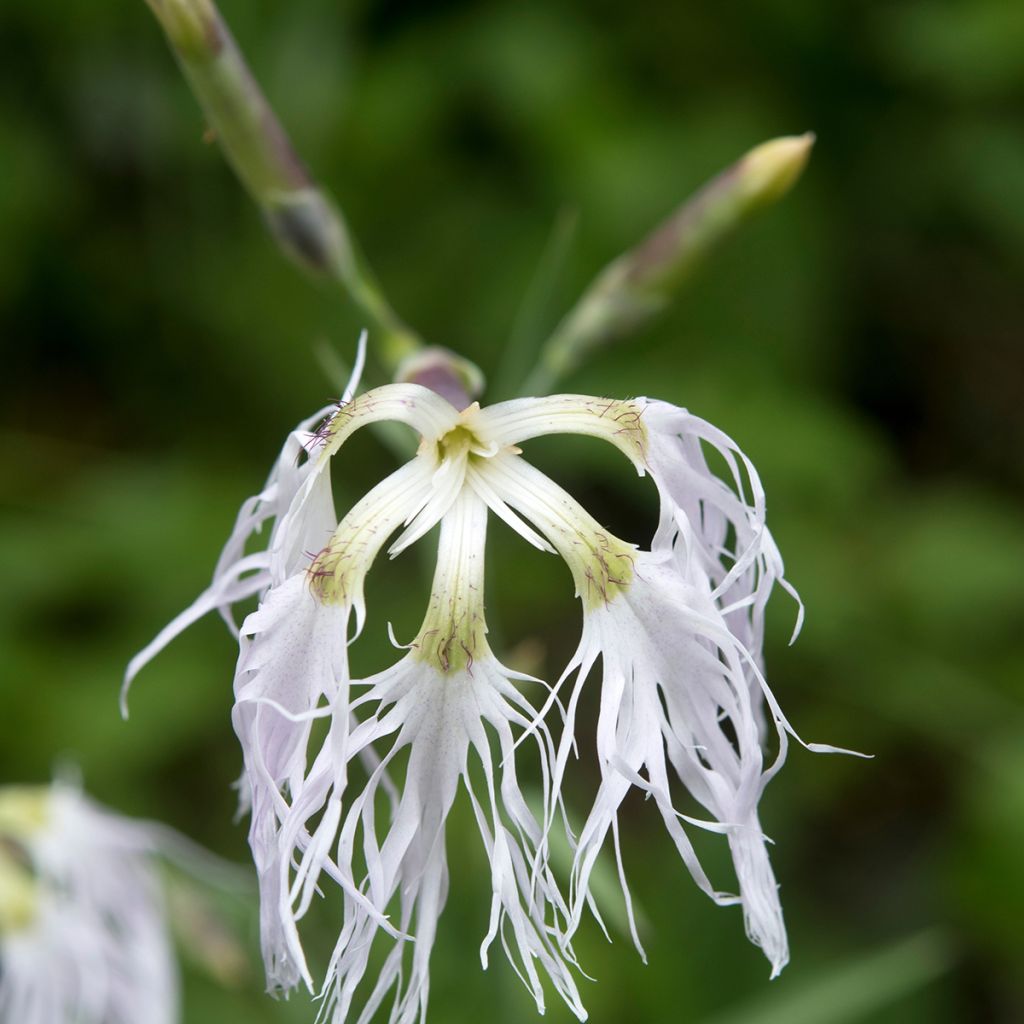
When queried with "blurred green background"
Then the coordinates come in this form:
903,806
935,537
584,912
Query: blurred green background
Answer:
862,342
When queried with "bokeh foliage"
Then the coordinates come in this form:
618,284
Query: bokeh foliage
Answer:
862,342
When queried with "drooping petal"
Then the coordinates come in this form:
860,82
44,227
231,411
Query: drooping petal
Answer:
599,561
445,720
424,410
446,483
479,482
725,519
446,698
292,669
675,693
295,465
338,571
720,522
239,576
292,655
680,688
289,473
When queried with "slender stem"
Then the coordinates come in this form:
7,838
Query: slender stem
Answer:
304,220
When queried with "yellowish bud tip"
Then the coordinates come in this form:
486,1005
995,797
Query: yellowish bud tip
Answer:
770,170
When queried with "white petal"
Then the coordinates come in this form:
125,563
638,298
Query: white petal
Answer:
416,406
446,484
478,480
357,369
272,502
618,421
675,693
598,560
287,477
304,529
239,581
441,718
292,654
428,413
762,911
239,576
339,569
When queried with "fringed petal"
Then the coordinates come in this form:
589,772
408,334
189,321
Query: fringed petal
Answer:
447,699
293,650
675,695
440,718
238,575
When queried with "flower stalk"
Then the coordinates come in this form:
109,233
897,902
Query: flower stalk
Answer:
304,220
640,283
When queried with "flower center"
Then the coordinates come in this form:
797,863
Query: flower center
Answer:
463,441
457,443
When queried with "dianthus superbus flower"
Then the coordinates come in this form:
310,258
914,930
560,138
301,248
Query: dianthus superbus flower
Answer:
676,627
83,935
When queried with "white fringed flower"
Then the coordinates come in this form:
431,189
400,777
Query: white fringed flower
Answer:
83,936
677,630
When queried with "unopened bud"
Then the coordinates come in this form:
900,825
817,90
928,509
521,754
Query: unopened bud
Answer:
452,377
642,281
307,229
770,170
667,256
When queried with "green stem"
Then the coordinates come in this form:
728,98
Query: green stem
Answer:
304,220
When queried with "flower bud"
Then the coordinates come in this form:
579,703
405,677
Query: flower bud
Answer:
452,377
642,281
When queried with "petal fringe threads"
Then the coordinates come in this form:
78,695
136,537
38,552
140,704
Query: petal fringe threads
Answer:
677,629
